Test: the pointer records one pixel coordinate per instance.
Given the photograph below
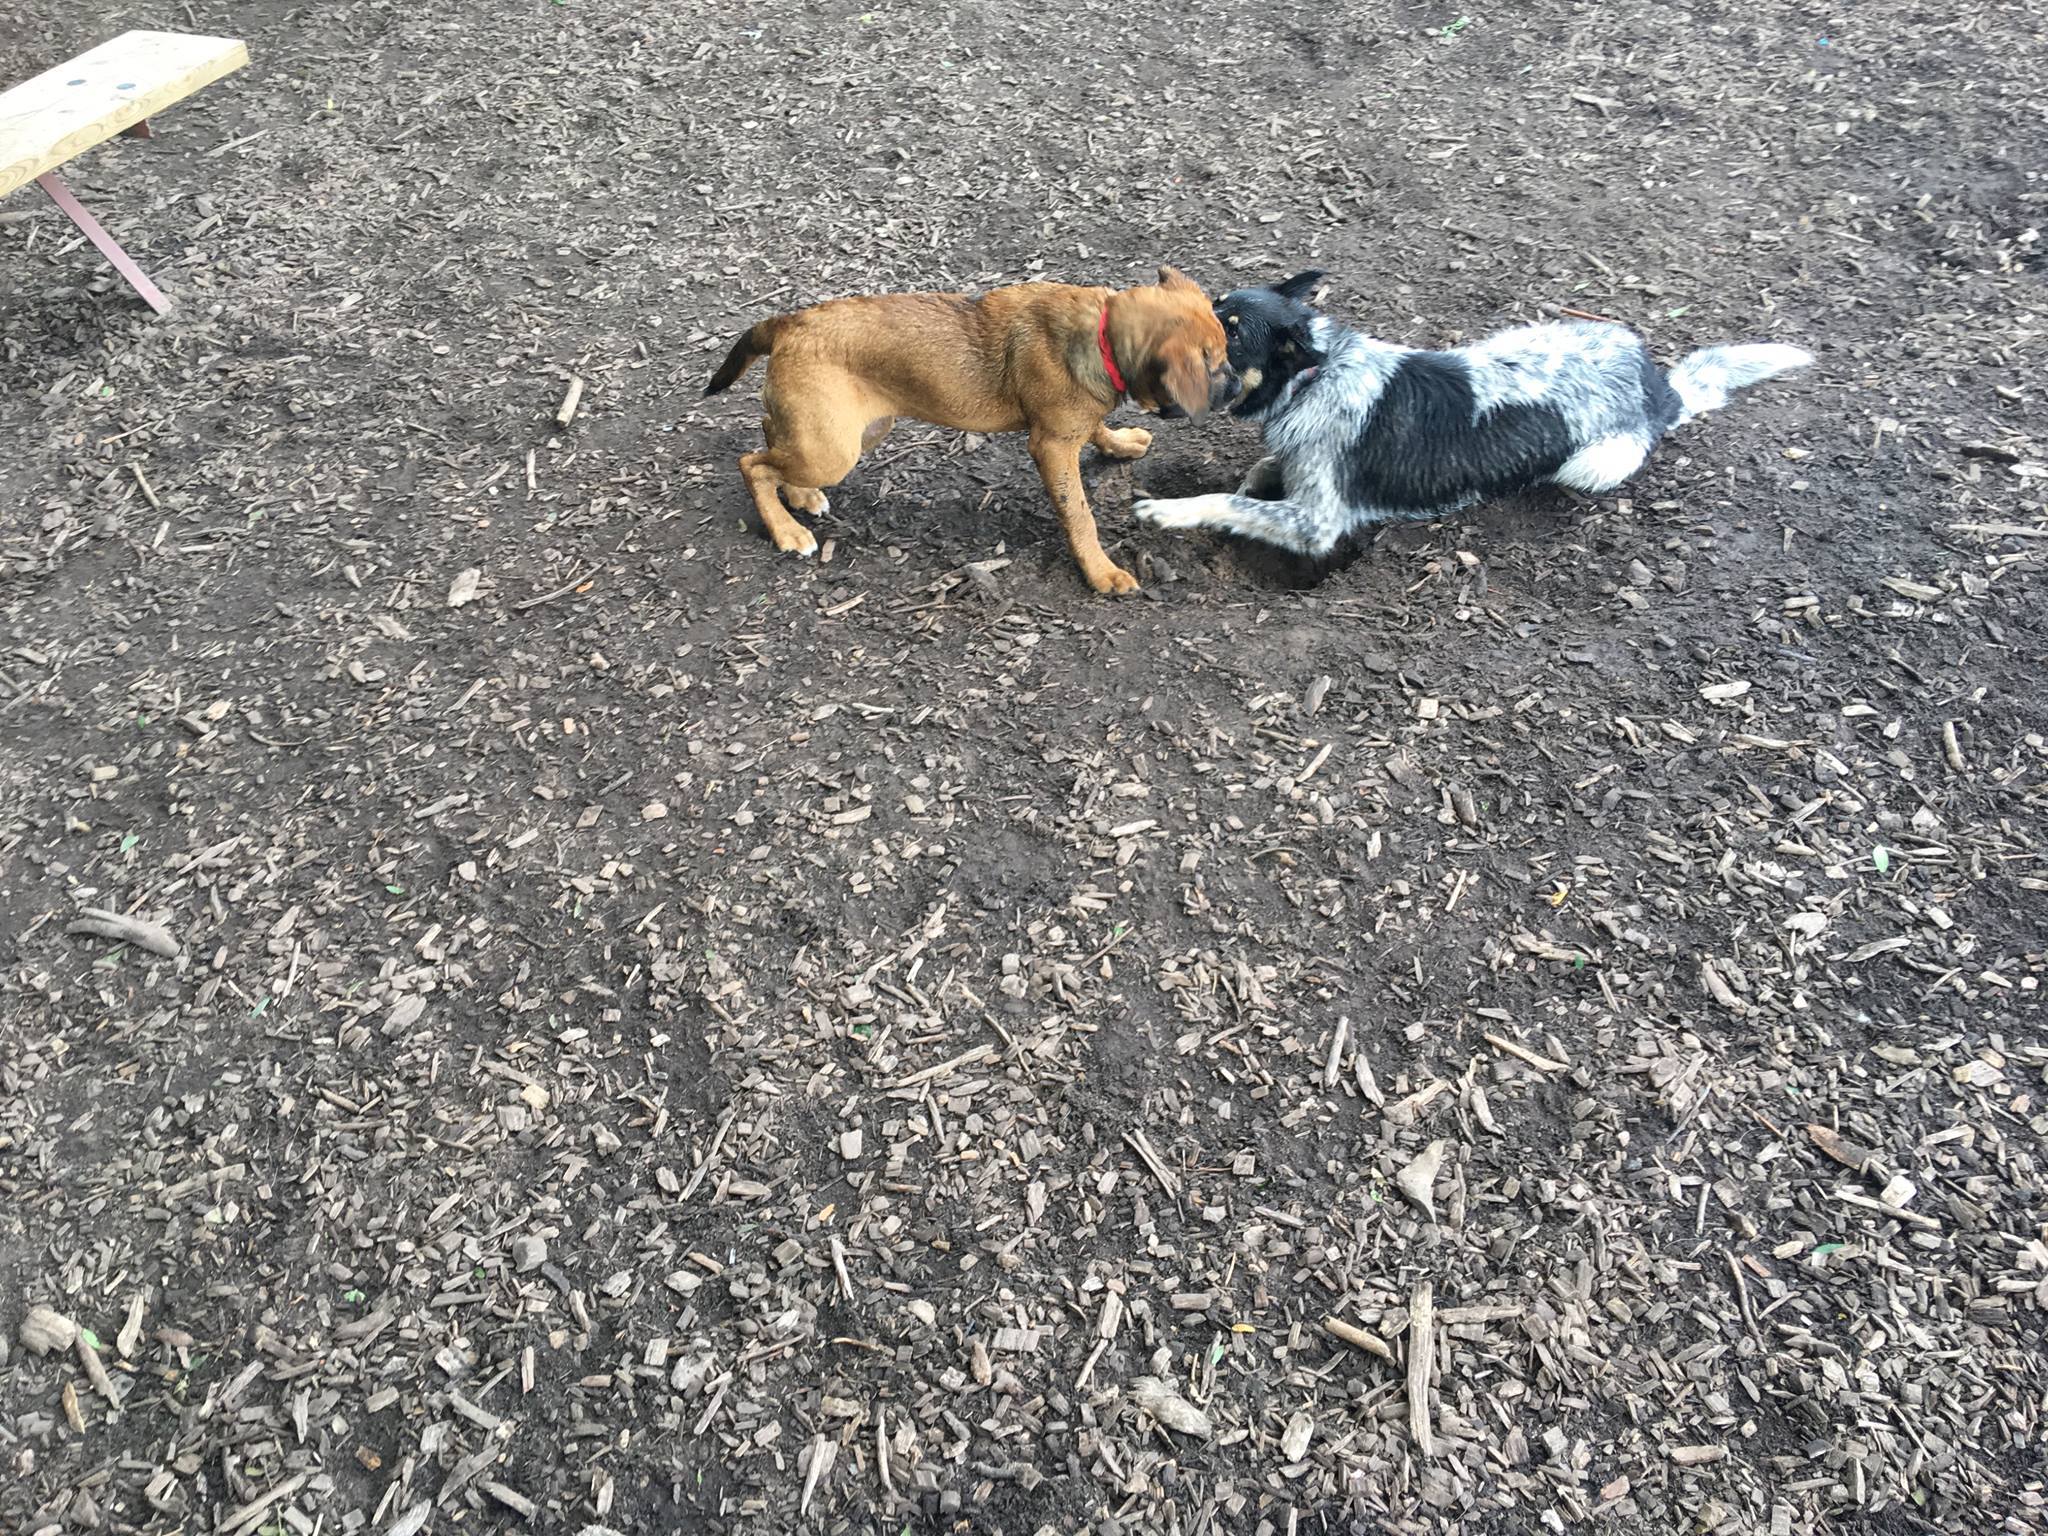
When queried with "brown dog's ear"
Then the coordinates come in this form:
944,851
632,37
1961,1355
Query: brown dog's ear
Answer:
1184,378
1173,277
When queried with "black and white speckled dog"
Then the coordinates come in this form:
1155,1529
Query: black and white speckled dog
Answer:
1361,432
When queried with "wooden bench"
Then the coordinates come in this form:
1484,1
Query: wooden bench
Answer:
116,88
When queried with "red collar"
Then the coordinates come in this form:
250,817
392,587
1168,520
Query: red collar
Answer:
1116,379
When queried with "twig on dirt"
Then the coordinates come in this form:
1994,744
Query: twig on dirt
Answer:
1851,1155
1336,1056
1485,1312
1111,1317
2001,530
711,1408
966,1058
1476,1100
847,1341
1367,1083
512,1499
570,401
1523,1053
1123,931
1421,1351
95,1372
1358,1338
1016,1054
248,138
148,490
1884,1208
1088,1365
131,1331
1407,1111
103,924
1160,1171
250,1514
1585,314
823,1453
839,1267
711,1156
1741,1290
562,591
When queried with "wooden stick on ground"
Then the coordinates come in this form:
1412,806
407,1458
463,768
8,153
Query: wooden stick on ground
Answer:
103,924
967,1058
570,401
1522,1052
1421,1353
1160,1172
1336,1056
839,1268
562,591
1358,1338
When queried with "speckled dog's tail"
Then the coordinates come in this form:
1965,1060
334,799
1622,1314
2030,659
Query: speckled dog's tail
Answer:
1709,378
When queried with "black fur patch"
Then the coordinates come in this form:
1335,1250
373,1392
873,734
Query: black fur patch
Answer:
1661,404
1423,450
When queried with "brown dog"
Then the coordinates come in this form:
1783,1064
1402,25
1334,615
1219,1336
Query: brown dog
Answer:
1045,358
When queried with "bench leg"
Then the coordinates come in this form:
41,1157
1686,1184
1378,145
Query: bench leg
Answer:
103,242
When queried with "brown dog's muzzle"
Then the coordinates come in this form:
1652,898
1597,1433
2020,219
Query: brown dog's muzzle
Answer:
1223,388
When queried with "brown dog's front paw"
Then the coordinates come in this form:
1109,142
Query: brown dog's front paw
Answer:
1111,580
1124,442
794,538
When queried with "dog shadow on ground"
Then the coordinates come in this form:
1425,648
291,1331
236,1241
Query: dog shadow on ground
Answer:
1534,517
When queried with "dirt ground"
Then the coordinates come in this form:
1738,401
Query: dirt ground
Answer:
687,1040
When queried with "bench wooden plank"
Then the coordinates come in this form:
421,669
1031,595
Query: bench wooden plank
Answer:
65,111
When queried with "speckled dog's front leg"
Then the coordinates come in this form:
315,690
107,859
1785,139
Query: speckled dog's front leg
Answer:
1302,527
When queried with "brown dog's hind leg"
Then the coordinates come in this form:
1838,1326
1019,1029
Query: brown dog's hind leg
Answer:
764,476
808,449
1121,442
1059,465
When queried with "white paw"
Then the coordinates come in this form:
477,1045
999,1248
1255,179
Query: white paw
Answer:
1167,514
824,505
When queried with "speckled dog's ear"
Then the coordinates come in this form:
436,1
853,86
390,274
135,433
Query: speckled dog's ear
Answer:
1298,344
1299,286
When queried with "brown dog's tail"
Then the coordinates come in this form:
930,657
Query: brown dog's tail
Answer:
758,341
